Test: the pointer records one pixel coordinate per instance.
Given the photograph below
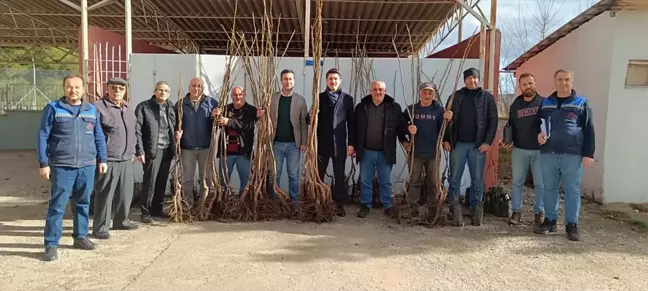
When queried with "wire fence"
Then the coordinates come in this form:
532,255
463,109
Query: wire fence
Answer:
29,89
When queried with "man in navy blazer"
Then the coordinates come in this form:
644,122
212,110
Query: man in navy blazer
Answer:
335,134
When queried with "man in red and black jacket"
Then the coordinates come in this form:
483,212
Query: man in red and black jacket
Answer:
238,121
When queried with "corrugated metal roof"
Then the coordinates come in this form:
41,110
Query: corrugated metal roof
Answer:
587,15
205,23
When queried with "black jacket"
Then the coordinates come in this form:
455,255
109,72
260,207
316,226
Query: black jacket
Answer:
244,126
335,125
486,117
147,127
395,125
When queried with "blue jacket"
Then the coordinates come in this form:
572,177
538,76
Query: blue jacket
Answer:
66,139
571,126
196,124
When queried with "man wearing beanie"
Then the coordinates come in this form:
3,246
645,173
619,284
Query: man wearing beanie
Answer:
468,137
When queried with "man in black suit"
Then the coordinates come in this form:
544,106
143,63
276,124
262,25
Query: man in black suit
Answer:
335,134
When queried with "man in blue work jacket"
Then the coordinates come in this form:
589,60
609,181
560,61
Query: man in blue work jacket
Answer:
70,143
567,140
198,113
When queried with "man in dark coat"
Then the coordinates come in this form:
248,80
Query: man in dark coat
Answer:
379,123
469,136
335,123
116,187
156,123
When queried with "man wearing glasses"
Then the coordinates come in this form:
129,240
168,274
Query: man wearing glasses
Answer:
115,187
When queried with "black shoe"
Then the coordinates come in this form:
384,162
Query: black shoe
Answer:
146,218
51,254
364,211
546,227
457,214
572,231
101,235
84,244
389,212
478,214
161,215
339,211
130,226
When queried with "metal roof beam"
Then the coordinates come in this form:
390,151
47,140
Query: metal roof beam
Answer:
474,13
255,18
443,31
154,19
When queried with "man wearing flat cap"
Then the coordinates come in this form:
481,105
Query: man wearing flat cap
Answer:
425,119
468,137
115,187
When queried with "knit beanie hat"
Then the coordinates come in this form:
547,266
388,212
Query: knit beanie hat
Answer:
471,72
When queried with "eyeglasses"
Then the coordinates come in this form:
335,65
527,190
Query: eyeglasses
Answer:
118,88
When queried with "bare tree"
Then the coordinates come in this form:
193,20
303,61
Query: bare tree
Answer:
534,21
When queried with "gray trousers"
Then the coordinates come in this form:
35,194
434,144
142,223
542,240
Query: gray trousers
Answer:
189,160
416,182
114,188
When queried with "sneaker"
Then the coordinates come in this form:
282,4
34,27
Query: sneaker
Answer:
515,218
364,211
478,214
145,218
539,218
51,254
339,211
572,231
84,244
389,212
101,235
546,227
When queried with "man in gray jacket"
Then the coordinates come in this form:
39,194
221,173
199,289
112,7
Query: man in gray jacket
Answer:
288,115
115,187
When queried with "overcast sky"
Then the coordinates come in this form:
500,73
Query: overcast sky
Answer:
509,10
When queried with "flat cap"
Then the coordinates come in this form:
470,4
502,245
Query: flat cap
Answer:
427,85
116,81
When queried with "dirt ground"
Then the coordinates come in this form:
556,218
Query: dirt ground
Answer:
349,254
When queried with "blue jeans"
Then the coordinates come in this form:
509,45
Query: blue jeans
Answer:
460,154
373,161
242,168
289,152
521,160
569,170
68,183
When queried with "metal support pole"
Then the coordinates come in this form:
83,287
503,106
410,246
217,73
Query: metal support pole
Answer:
129,38
460,27
84,41
307,32
491,58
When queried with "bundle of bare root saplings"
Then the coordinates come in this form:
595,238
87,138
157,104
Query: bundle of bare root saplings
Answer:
317,203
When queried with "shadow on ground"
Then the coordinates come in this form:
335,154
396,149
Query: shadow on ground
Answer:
353,239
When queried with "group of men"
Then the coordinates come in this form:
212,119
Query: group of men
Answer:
78,140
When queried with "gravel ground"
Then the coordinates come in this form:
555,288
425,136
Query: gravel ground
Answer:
349,254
